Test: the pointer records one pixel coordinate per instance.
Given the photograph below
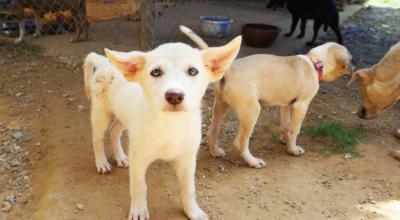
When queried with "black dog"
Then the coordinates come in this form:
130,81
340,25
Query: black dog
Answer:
323,12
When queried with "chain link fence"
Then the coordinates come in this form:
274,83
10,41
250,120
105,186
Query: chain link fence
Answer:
128,24
124,24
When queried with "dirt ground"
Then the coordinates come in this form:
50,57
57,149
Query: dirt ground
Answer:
48,101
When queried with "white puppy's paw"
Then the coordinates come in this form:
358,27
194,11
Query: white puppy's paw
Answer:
296,151
217,152
103,166
122,160
139,213
197,214
256,163
37,34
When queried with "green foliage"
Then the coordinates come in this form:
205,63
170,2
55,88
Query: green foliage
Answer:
338,137
274,135
24,47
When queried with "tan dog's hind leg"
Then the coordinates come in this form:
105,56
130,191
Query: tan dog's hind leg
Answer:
185,170
285,124
298,112
116,131
100,119
248,115
219,109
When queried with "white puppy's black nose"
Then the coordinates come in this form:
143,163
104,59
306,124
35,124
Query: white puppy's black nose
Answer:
174,97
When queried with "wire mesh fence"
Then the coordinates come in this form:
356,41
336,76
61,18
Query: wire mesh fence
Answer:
124,24
114,22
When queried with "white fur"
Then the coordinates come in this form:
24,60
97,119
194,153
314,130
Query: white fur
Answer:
156,129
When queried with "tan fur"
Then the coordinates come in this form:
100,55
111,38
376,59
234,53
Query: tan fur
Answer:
288,82
380,86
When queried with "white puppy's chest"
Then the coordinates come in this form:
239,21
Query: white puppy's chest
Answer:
166,136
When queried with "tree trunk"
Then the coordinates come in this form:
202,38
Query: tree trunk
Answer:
146,38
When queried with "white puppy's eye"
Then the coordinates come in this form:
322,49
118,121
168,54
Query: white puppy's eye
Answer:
192,71
157,72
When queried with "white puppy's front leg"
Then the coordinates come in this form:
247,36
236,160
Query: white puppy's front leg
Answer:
298,113
138,187
185,167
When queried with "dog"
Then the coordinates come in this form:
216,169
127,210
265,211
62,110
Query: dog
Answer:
41,7
158,101
288,82
323,12
380,87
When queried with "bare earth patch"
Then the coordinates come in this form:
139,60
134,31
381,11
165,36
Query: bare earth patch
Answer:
46,100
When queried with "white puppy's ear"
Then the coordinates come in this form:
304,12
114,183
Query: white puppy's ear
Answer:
218,59
128,63
363,73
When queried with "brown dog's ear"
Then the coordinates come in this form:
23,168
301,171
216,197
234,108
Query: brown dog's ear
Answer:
128,63
218,59
363,73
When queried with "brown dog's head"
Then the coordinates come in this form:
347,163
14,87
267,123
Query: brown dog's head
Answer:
337,60
376,95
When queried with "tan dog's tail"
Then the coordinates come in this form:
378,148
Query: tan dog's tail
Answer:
194,37
92,61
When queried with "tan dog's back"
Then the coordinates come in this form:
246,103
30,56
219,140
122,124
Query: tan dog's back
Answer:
389,64
274,79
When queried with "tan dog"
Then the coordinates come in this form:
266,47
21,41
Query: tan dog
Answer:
380,87
288,82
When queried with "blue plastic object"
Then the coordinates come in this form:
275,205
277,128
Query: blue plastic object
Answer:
215,26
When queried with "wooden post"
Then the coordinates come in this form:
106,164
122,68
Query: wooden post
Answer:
146,37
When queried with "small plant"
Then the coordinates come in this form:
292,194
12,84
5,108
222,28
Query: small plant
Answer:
274,135
24,47
339,138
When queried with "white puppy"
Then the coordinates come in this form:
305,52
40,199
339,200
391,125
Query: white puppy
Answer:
288,82
161,111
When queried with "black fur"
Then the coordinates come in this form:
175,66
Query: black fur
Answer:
323,12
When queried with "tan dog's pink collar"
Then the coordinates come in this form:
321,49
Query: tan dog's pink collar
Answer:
318,64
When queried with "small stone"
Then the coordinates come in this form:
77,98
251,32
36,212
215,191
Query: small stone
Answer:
19,136
348,156
81,108
65,94
18,94
79,206
221,168
12,199
203,141
6,207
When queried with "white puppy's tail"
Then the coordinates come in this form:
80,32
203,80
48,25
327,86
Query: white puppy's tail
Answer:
92,61
194,37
